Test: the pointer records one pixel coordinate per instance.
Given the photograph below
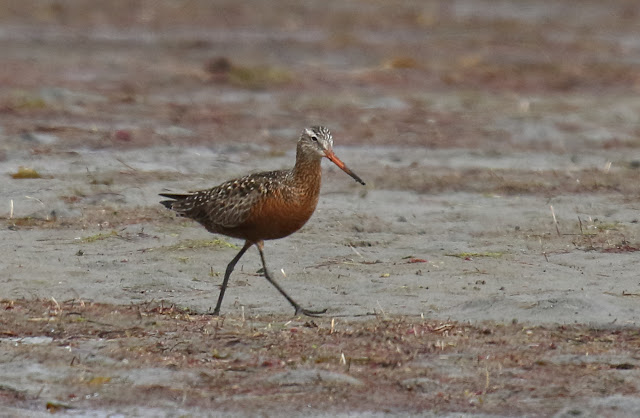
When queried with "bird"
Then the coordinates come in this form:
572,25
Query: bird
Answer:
263,206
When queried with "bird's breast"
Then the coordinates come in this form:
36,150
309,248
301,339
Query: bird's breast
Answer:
279,215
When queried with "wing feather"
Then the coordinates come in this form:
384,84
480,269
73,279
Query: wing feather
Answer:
227,205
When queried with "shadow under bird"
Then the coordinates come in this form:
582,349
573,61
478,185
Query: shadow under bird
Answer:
263,206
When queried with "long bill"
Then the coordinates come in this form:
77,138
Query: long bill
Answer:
330,155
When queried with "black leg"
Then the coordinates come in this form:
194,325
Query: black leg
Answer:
227,273
299,310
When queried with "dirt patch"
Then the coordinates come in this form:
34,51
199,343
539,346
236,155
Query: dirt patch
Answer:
115,358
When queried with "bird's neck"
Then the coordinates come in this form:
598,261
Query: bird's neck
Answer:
307,173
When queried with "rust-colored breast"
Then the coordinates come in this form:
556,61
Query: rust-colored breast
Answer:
276,217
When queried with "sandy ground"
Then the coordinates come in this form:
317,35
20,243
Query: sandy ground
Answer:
488,268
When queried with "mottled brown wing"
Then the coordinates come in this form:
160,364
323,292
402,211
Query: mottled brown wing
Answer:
229,204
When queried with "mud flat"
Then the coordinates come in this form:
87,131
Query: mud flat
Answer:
488,268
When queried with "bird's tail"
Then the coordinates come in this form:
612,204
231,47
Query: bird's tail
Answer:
175,199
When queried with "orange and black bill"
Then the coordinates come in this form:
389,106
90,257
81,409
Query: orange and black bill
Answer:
330,155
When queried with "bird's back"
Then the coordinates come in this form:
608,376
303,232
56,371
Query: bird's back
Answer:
256,207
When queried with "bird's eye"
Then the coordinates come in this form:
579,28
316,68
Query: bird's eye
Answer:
315,138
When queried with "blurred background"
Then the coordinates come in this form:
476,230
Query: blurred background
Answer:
482,74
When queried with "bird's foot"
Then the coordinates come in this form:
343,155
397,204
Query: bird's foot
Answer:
309,312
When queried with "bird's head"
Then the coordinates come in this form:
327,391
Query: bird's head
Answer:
317,141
